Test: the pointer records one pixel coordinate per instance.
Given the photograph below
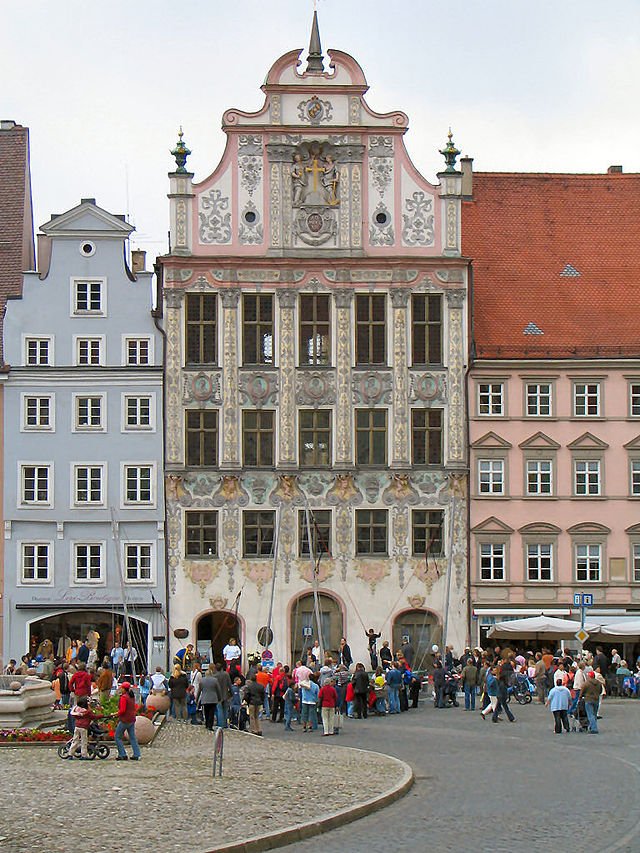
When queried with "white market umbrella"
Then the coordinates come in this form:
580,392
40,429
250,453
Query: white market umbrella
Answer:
620,629
538,627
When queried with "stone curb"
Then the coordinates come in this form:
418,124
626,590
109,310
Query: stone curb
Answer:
301,831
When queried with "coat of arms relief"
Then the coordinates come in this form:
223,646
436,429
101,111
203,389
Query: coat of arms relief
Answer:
315,193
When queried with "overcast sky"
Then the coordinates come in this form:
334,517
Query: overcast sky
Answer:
526,85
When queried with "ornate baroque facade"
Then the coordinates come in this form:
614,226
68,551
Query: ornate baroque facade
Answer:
315,310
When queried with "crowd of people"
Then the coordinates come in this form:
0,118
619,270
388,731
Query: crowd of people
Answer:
318,690
321,689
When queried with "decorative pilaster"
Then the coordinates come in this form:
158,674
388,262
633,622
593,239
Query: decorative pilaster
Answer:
174,438
180,195
399,301
344,429
456,433
230,437
287,408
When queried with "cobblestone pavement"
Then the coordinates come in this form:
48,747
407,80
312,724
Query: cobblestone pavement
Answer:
170,801
500,788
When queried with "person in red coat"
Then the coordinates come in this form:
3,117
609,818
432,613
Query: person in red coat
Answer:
126,723
328,698
80,684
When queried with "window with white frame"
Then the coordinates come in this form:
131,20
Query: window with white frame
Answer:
88,296
635,476
138,557
587,476
138,484
137,351
586,399
89,413
492,561
36,485
88,351
589,563
540,562
88,484
636,562
137,412
634,399
87,562
37,412
491,398
35,562
38,352
539,476
539,399
491,476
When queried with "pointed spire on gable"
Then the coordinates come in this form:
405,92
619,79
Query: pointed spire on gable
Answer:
315,60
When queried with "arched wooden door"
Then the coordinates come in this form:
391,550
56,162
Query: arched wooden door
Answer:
214,631
304,629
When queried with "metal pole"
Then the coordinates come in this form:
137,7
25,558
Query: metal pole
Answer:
218,751
447,589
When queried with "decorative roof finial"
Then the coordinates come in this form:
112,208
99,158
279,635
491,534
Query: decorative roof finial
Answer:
180,153
450,153
315,60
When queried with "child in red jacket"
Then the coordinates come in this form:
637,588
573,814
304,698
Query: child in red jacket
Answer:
83,717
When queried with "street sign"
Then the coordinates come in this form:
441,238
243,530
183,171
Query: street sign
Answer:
577,599
587,599
581,636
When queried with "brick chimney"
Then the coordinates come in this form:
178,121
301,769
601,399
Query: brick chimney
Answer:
138,260
466,167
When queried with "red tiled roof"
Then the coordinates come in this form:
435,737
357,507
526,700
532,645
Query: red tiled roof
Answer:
521,231
16,225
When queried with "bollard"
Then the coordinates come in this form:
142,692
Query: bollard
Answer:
218,750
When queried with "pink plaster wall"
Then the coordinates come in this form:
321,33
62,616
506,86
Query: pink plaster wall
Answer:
615,509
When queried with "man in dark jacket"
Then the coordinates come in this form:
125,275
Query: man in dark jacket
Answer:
438,684
407,651
361,691
222,708
254,697
83,653
386,657
345,653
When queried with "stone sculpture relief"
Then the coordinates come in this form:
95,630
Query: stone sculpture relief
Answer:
400,492
381,231
250,230
344,491
230,491
315,177
215,218
315,111
202,388
428,387
418,220
286,491
258,389
372,388
315,388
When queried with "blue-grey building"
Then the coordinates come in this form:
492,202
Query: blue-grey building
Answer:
83,458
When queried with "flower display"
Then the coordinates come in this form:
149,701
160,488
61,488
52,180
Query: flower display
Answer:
33,736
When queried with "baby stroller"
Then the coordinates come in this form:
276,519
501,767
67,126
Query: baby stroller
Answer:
239,717
578,719
95,747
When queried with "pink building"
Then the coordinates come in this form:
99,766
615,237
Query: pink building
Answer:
554,394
